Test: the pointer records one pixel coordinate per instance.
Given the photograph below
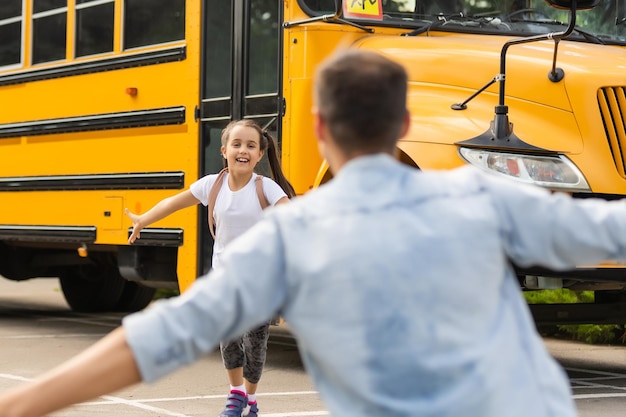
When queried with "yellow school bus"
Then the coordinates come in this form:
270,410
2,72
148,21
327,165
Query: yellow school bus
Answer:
113,104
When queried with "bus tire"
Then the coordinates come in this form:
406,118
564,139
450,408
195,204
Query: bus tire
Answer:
135,297
92,288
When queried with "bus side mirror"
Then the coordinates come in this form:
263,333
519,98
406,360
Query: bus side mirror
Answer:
500,133
567,5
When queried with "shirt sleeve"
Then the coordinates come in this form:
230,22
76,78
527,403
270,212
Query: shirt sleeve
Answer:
202,187
272,191
176,332
554,230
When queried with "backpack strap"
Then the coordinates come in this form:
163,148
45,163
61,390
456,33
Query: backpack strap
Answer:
259,191
217,186
215,189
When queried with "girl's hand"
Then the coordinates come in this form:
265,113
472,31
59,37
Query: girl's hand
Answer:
136,226
160,210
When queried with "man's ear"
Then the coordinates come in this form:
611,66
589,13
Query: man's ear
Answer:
406,124
318,125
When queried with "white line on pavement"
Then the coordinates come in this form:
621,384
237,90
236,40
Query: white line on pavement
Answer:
607,395
141,403
298,414
84,321
130,403
209,397
52,336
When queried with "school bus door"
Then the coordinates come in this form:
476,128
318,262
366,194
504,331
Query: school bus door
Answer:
241,78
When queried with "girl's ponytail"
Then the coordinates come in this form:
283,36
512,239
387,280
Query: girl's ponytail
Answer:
274,161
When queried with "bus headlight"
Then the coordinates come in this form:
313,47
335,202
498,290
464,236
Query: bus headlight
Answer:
554,172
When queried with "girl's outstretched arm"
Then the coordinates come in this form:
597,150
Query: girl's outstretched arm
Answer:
105,367
160,210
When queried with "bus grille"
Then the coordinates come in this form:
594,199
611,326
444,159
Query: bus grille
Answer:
612,103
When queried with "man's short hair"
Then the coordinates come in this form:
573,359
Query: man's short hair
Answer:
361,95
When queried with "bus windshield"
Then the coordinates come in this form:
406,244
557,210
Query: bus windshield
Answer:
605,24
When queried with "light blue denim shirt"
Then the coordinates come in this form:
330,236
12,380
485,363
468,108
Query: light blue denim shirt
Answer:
397,285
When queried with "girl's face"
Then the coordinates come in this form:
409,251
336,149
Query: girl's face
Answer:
243,149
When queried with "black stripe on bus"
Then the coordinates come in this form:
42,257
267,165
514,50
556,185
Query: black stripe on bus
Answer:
128,181
106,121
68,234
109,64
158,237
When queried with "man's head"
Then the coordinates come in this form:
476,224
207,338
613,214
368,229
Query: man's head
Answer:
361,103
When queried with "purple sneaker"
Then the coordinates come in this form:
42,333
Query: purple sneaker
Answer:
236,402
252,410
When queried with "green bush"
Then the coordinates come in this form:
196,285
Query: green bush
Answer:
594,333
588,333
558,296
165,293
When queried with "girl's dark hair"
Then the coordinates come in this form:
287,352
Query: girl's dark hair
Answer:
268,146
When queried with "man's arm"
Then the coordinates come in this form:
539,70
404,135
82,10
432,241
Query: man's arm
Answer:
105,367
555,230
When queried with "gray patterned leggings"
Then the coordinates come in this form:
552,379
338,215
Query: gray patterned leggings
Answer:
248,352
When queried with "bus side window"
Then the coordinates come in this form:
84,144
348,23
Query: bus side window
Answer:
11,18
49,31
151,22
95,24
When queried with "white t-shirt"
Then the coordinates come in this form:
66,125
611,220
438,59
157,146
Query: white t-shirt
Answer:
235,211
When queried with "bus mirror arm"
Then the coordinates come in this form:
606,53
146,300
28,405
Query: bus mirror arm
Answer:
463,105
500,133
555,75
327,18
332,18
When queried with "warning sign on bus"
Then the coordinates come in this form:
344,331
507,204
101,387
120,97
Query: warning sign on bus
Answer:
363,9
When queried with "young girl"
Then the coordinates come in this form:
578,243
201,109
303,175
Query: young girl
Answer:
234,206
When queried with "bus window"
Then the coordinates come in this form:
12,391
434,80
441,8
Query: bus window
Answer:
10,32
49,30
95,22
218,50
151,22
263,39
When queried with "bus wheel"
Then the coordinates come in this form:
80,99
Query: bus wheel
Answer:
92,288
134,297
